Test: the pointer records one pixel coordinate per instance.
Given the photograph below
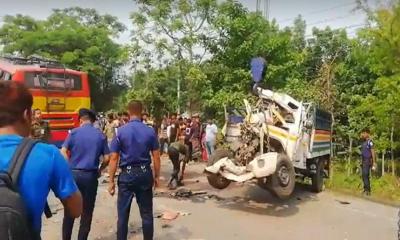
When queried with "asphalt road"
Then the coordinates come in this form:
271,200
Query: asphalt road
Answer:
243,211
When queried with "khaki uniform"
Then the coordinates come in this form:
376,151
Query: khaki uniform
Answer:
109,131
40,131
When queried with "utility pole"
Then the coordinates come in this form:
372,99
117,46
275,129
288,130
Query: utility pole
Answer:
179,94
178,87
265,11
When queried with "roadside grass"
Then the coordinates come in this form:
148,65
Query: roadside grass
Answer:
385,189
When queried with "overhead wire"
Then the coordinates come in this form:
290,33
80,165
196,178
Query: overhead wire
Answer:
329,20
317,12
356,26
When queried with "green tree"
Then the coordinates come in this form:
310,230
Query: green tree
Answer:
383,53
81,39
172,31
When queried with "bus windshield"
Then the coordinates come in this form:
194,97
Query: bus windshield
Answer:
53,81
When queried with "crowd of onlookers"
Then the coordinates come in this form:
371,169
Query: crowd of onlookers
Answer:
124,142
199,137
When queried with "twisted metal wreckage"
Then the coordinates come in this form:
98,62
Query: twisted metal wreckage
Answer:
280,138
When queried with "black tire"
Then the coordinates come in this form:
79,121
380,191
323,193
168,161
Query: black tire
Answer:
283,181
317,179
216,180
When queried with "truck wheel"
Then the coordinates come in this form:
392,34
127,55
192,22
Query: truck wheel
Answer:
283,181
318,178
216,180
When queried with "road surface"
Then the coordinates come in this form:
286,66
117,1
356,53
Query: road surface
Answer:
242,211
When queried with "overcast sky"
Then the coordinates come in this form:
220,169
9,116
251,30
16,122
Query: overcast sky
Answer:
318,13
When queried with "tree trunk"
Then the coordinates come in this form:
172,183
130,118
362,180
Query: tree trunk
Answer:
349,170
392,150
383,162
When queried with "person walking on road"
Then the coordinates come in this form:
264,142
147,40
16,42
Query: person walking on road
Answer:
133,144
174,151
85,144
211,137
367,160
44,167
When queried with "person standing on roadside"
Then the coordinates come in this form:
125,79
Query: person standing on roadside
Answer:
44,169
211,137
109,129
195,138
40,129
125,118
367,160
188,137
85,144
132,145
118,120
172,130
163,135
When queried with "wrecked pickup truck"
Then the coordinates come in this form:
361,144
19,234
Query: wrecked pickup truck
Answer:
278,140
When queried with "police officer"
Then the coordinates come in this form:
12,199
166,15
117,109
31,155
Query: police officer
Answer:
367,160
133,144
85,144
40,129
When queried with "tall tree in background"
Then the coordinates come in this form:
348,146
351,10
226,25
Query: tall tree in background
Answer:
173,31
384,59
81,39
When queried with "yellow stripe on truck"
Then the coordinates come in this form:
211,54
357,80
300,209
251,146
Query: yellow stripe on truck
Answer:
274,132
56,104
322,138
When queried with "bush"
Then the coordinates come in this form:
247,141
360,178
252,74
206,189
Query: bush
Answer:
384,188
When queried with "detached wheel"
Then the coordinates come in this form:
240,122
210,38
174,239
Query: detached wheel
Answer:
283,181
318,178
216,180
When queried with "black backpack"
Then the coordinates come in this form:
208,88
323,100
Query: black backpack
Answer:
14,223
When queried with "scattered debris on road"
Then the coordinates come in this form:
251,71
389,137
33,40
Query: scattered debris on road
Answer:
187,193
183,214
343,202
169,215
166,226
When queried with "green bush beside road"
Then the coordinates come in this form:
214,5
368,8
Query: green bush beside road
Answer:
384,188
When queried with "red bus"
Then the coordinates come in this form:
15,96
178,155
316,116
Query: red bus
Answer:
57,91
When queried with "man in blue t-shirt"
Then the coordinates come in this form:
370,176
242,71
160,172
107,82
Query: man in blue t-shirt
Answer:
45,167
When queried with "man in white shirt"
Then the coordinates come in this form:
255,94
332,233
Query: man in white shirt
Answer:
211,137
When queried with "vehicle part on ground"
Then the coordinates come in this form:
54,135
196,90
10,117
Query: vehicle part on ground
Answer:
217,180
262,166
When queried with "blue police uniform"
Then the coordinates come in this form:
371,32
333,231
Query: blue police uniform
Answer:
86,144
366,164
134,142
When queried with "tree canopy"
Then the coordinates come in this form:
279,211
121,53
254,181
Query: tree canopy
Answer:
81,39
194,56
